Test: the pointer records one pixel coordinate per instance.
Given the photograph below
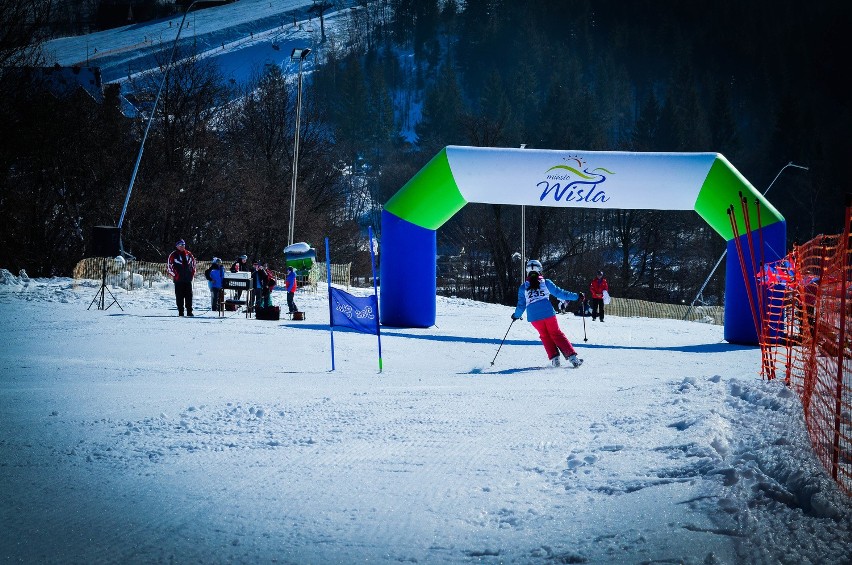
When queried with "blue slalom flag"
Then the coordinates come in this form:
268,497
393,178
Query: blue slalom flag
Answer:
359,313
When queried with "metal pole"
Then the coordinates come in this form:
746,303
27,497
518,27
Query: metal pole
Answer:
151,117
523,236
295,157
725,252
503,340
523,242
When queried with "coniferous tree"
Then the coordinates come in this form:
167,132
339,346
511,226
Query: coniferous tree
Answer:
645,130
353,104
404,15
426,15
524,103
683,122
442,109
382,126
487,128
724,137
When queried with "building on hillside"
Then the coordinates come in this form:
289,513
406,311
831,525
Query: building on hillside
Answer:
63,82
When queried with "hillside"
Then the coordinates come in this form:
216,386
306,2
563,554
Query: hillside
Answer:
240,36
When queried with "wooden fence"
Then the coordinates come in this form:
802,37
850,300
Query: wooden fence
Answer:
643,308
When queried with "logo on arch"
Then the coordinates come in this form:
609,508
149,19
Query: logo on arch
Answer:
574,181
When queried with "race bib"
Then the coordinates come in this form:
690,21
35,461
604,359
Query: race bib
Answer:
537,294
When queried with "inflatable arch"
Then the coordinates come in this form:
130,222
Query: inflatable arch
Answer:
704,182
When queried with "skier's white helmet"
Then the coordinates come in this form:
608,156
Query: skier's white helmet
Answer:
533,265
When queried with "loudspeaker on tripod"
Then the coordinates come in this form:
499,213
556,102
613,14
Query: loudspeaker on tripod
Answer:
106,241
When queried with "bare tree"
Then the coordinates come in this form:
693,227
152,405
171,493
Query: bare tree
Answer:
182,179
319,7
24,30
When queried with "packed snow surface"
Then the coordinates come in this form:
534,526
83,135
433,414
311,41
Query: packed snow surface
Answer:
130,435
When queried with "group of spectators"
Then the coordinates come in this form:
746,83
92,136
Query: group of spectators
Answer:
263,281
181,267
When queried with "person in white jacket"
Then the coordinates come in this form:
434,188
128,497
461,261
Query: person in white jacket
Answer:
534,297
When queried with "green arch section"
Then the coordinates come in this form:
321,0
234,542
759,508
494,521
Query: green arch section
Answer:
720,189
431,197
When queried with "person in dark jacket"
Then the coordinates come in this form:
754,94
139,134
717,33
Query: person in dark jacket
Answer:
268,287
181,268
534,297
215,275
258,284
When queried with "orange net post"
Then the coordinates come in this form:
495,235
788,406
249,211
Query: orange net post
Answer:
807,341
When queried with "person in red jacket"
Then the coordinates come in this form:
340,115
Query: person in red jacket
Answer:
596,289
291,290
181,269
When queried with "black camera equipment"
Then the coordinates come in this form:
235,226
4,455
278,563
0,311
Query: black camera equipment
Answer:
106,243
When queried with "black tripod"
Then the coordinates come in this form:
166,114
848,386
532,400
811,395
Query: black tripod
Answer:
102,293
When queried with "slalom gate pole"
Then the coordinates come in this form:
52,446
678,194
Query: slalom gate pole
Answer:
375,292
330,312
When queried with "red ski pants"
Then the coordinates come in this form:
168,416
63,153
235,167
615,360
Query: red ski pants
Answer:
552,338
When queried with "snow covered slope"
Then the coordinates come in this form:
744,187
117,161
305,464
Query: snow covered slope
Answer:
134,436
241,36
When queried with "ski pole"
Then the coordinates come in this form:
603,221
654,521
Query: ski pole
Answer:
584,327
501,343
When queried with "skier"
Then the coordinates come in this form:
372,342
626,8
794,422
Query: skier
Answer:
534,296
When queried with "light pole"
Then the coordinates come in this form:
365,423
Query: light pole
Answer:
153,111
523,236
297,55
725,252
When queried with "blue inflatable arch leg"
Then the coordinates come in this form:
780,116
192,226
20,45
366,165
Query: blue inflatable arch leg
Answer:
408,274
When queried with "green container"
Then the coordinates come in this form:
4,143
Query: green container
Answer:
301,261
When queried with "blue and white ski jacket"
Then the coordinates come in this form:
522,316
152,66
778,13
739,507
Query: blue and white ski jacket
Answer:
217,274
537,301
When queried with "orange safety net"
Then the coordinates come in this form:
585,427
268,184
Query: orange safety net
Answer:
806,339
